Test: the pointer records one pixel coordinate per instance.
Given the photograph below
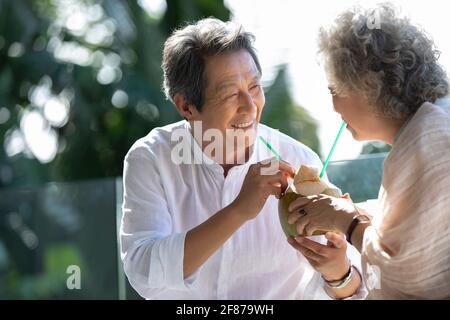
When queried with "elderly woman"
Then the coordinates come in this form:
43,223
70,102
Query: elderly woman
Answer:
387,85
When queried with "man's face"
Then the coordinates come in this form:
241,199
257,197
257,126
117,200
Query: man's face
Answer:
233,97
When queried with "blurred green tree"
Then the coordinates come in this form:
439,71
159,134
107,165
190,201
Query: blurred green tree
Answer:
281,112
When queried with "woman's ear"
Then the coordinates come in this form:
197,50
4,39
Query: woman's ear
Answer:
187,110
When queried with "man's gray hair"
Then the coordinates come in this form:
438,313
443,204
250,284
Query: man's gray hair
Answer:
384,56
185,52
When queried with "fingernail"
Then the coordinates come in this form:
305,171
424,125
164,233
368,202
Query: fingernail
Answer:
299,239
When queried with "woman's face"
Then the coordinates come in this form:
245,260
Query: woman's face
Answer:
354,108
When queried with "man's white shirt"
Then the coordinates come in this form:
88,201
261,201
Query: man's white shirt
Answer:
163,200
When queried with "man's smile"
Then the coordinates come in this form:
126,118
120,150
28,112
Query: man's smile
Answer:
243,125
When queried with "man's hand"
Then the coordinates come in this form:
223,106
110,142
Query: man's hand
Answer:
263,179
330,260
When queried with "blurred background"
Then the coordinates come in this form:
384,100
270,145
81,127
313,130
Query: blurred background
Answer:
80,81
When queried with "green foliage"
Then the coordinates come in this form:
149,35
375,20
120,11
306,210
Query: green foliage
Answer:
282,113
50,283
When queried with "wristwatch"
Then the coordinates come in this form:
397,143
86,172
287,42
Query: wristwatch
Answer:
356,220
342,283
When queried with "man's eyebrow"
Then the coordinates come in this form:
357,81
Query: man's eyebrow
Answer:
230,83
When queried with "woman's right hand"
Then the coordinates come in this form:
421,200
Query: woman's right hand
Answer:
263,179
321,212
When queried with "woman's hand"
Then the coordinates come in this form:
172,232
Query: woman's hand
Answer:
330,260
321,212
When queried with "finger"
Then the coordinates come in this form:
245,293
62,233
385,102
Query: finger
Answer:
317,248
264,167
301,224
286,168
310,229
294,216
274,164
268,161
276,178
335,239
300,202
273,190
315,224
308,254
291,240
347,197
269,167
318,205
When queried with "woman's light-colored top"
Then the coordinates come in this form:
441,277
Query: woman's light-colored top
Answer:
406,253
163,200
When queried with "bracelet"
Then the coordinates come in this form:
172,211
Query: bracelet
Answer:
356,220
339,284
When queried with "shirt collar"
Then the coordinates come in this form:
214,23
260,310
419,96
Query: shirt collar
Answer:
202,159
402,128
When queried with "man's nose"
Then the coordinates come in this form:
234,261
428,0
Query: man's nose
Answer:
246,103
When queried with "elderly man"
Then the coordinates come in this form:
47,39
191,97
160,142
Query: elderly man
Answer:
200,211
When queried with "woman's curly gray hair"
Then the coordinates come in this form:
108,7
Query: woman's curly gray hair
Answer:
384,56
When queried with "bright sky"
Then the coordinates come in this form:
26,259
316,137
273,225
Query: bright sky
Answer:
286,32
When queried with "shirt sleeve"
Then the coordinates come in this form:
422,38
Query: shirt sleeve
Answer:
151,253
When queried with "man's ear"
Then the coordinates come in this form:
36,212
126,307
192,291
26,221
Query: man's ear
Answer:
187,110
